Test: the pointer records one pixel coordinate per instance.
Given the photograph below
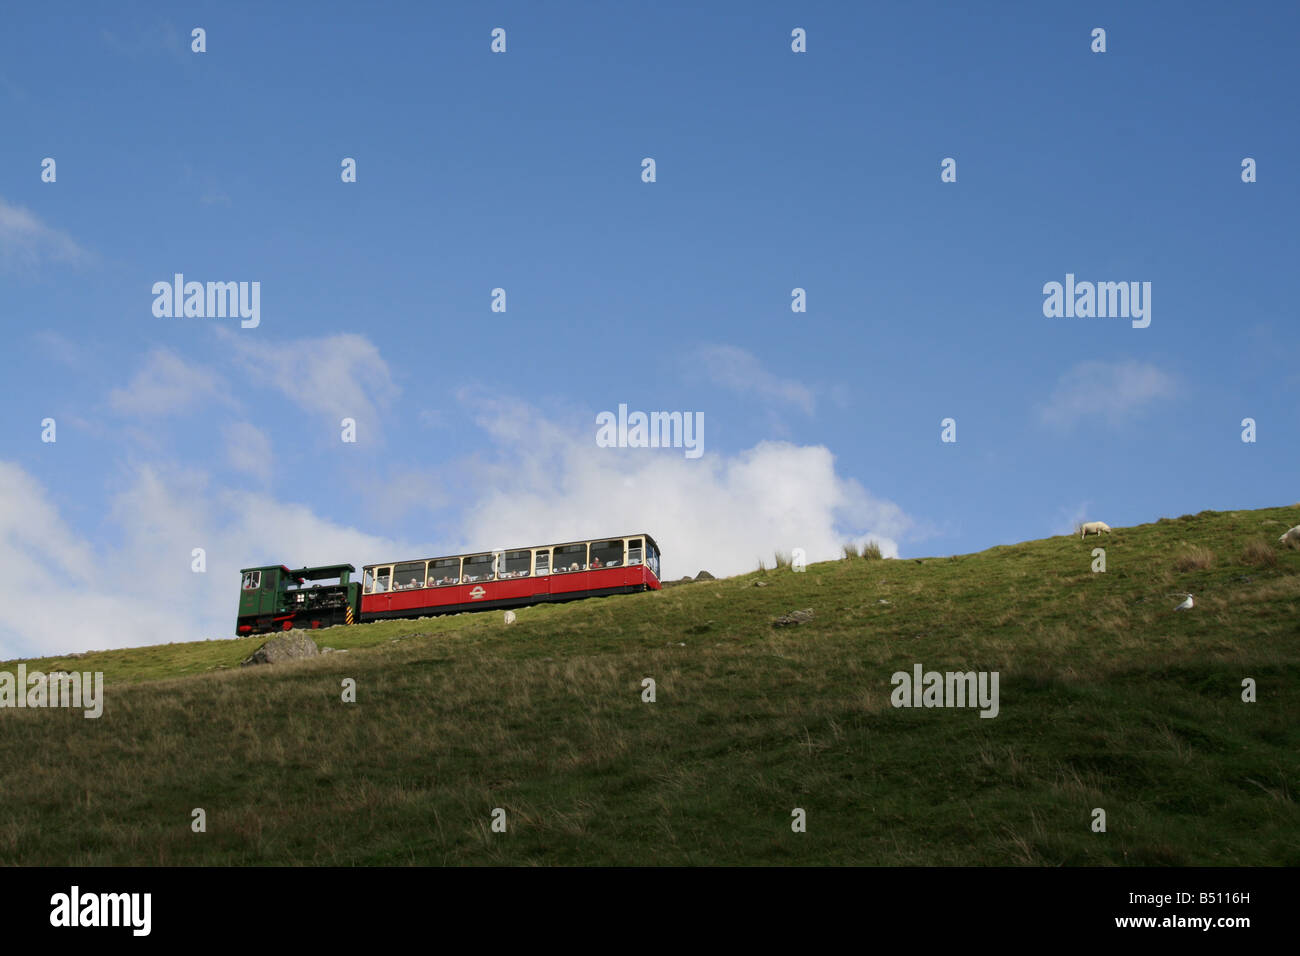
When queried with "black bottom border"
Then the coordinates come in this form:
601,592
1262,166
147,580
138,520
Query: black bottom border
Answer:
920,907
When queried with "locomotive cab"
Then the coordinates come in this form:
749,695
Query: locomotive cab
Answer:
259,590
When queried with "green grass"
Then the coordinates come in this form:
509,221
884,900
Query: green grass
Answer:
1108,699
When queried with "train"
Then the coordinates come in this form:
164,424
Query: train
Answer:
275,597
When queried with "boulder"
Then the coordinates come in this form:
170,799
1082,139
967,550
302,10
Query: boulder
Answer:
289,646
510,617
794,618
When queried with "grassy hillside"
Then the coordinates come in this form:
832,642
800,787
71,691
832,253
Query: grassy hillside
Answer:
1108,699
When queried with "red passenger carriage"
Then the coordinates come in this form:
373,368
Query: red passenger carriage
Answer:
510,578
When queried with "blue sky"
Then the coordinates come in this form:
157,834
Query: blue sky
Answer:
522,171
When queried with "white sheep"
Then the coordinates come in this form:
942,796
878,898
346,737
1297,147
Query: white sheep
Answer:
1292,538
1093,527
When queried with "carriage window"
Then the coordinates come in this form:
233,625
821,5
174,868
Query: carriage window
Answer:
543,562
478,568
409,576
606,554
634,551
252,580
571,557
369,584
383,577
652,558
516,564
444,571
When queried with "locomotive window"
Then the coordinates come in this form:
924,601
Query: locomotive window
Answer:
252,580
408,576
543,562
607,554
571,557
444,571
634,551
516,564
478,568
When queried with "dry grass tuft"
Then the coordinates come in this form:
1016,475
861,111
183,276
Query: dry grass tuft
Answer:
1258,554
1194,558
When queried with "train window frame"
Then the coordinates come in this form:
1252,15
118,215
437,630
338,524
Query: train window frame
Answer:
559,549
384,577
635,546
439,562
605,555
404,570
541,562
506,573
252,581
490,564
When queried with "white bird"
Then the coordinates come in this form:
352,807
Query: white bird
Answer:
1186,605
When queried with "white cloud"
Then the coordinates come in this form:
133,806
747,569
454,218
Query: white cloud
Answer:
168,385
720,514
248,449
143,591
339,376
1113,391
58,595
26,241
741,371
415,489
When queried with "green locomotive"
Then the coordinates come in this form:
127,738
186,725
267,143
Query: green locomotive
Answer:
275,598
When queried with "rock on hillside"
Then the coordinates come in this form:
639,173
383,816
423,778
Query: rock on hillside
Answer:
287,647
795,618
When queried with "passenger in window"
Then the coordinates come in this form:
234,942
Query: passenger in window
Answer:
595,563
